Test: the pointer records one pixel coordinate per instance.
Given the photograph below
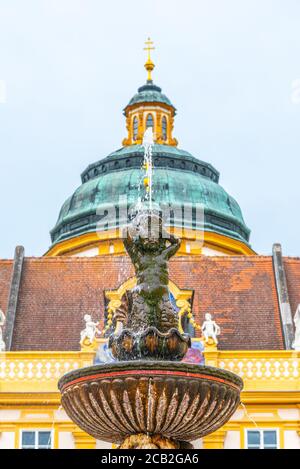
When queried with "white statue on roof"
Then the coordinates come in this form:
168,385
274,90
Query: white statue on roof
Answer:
210,329
2,322
90,330
296,342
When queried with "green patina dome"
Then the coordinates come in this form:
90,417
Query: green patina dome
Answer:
179,179
150,93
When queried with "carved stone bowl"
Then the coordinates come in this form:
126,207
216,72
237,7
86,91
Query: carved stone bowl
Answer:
179,401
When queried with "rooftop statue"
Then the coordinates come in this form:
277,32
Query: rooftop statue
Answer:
90,330
210,329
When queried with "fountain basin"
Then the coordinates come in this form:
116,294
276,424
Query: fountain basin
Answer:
179,401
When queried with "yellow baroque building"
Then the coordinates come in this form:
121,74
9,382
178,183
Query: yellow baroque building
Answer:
254,299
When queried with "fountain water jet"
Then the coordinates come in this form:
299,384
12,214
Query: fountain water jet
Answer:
148,142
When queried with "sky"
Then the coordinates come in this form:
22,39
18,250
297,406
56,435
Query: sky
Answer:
68,68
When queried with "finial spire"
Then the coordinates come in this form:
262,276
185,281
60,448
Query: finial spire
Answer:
149,65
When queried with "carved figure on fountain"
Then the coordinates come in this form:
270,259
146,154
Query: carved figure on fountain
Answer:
150,247
146,319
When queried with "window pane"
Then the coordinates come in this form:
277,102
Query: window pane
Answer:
149,122
253,439
44,439
28,439
164,128
135,128
270,439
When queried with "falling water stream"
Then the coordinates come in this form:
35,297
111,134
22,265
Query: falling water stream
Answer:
149,409
148,142
52,426
146,179
248,415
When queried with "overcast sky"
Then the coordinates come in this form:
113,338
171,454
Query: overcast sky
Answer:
68,67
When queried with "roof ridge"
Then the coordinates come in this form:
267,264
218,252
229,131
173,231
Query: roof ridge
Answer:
291,258
226,258
64,259
78,259
121,258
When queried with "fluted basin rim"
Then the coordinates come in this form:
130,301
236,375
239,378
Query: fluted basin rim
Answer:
155,368
176,400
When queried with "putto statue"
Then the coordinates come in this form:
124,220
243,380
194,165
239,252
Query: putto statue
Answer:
90,330
146,310
210,329
2,322
296,342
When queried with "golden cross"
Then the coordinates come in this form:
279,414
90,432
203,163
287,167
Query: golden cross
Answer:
149,47
149,65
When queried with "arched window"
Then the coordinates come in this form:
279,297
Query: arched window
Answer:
164,127
149,121
135,127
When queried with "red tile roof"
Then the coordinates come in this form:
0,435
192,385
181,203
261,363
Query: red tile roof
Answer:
55,293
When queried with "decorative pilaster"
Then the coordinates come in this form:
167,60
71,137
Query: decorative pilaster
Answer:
127,140
140,134
158,128
172,141
13,297
283,296
83,440
214,440
211,355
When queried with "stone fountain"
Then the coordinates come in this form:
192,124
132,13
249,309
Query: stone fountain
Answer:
148,398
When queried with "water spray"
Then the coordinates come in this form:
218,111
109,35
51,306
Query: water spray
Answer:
148,142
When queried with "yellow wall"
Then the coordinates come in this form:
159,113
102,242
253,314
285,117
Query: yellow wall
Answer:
109,243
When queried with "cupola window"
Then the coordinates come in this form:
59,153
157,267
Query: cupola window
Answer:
135,128
149,121
164,127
